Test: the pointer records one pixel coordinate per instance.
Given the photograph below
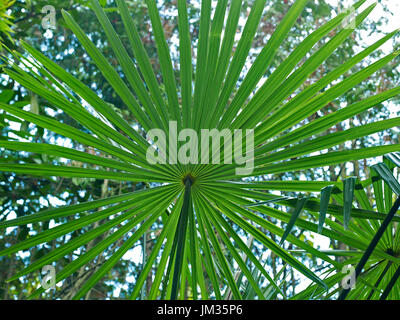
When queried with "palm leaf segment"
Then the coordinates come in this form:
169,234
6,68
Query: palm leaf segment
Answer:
206,203
374,245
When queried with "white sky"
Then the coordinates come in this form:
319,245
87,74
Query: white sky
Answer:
393,24
376,14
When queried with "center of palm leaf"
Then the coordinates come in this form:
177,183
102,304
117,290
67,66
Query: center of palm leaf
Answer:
188,179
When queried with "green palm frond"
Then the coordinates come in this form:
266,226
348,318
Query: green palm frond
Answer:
206,210
5,19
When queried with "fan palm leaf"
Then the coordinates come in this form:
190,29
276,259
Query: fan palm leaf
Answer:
200,245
